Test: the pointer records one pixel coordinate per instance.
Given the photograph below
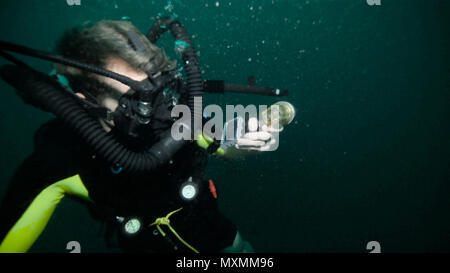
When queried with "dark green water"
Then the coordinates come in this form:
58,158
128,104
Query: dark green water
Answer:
367,157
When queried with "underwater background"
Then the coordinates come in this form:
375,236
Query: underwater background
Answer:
367,156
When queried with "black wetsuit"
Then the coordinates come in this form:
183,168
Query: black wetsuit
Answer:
59,153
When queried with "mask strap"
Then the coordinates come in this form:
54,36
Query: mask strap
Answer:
135,41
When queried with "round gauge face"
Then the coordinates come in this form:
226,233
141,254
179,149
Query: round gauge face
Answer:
188,191
132,226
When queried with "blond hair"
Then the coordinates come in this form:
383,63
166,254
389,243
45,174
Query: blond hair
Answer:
107,39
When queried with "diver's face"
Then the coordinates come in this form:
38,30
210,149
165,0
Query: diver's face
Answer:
121,67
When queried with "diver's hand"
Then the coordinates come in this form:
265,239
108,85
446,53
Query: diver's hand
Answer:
260,138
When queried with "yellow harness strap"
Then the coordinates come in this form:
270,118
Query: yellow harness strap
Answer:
34,220
166,221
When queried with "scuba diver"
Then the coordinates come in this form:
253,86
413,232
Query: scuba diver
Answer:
112,92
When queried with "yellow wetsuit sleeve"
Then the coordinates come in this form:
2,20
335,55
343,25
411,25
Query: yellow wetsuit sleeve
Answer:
35,218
